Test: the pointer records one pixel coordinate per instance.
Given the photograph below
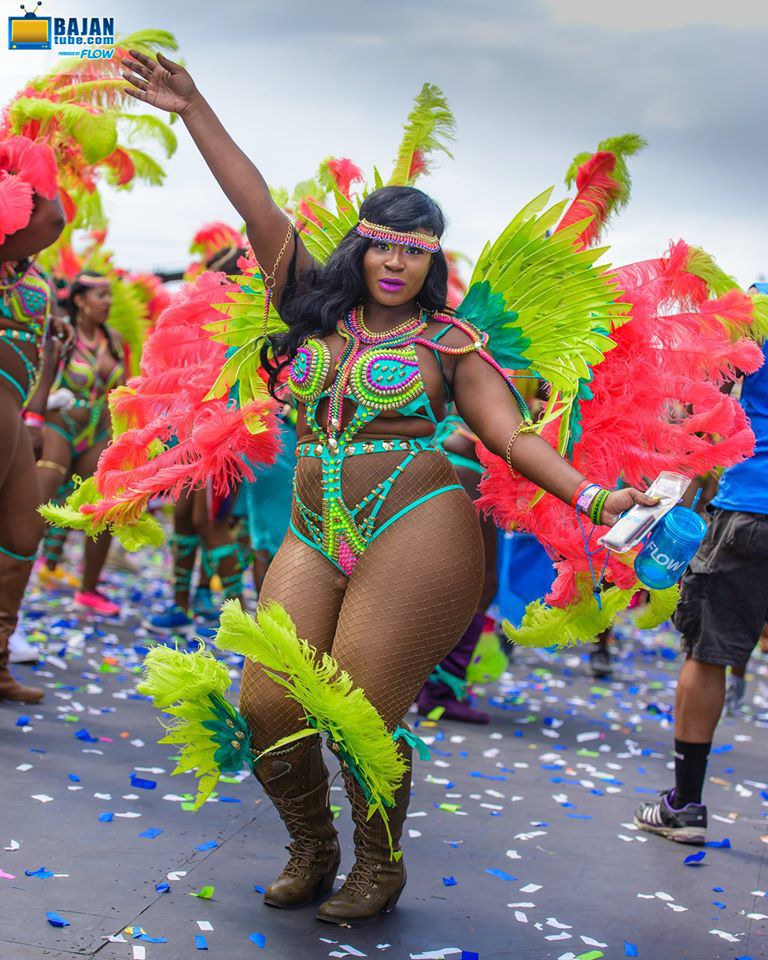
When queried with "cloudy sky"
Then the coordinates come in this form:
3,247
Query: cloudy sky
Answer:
531,82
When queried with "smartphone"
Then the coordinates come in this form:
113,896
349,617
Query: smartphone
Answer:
633,525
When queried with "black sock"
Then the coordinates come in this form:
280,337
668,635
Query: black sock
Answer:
690,771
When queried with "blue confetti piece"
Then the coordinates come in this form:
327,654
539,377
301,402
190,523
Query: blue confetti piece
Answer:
469,955
718,889
718,904
143,784
724,844
151,833
259,889
55,920
722,749
23,721
106,817
578,816
259,939
488,776
162,887
74,777
630,950
501,874
208,845
450,882
200,942
229,800
85,736
694,859
147,939
41,873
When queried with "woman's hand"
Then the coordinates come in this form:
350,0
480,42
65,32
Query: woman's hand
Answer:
160,83
618,501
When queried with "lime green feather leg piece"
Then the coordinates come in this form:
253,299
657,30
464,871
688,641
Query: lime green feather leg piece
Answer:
331,703
662,605
213,735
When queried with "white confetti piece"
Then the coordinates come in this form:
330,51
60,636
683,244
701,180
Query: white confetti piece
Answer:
588,941
205,924
13,845
513,855
725,936
552,922
353,951
103,796
128,815
23,767
176,875
413,834
522,906
677,908
435,954
139,953
583,737
520,916
757,916
417,813
559,936
42,797
664,896
530,888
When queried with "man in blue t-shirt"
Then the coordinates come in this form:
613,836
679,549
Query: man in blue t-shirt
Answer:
722,611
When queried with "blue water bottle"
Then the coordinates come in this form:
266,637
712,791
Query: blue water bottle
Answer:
670,548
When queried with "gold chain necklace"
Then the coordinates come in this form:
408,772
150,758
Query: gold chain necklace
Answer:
374,337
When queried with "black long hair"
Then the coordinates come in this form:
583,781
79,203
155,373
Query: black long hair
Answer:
312,302
77,288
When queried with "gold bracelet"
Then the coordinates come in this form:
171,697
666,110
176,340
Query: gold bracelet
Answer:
525,426
52,465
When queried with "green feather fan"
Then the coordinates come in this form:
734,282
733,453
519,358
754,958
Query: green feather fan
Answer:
192,688
326,694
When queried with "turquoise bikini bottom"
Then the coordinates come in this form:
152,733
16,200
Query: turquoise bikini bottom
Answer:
341,534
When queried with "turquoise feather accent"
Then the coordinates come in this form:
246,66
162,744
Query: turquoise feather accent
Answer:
229,731
488,311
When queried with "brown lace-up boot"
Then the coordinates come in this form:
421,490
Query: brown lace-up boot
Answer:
14,575
375,882
296,781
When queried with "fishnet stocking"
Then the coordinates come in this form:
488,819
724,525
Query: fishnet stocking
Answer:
407,602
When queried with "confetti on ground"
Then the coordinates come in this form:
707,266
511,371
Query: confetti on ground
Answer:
548,789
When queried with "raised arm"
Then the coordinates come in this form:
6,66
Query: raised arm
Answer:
168,86
485,402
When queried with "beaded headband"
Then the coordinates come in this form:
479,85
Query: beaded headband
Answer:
376,231
93,281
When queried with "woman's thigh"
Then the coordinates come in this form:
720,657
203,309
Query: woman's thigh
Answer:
22,525
409,599
311,589
55,463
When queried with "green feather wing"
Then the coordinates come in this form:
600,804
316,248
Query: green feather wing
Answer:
242,329
545,304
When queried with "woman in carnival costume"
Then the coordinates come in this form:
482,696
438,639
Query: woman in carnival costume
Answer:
75,437
383,564
32,219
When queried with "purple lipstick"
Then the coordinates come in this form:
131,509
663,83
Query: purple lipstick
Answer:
391,284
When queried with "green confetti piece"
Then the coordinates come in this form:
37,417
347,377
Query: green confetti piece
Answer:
108,668
188,805
206,893
450,807
435,713
335,810
592,955
587,753
600,692
70,718
225,779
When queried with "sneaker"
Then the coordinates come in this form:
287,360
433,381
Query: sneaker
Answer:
687,825
203,605
174,620
600,664
20,649
57,579
97,603
734,694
